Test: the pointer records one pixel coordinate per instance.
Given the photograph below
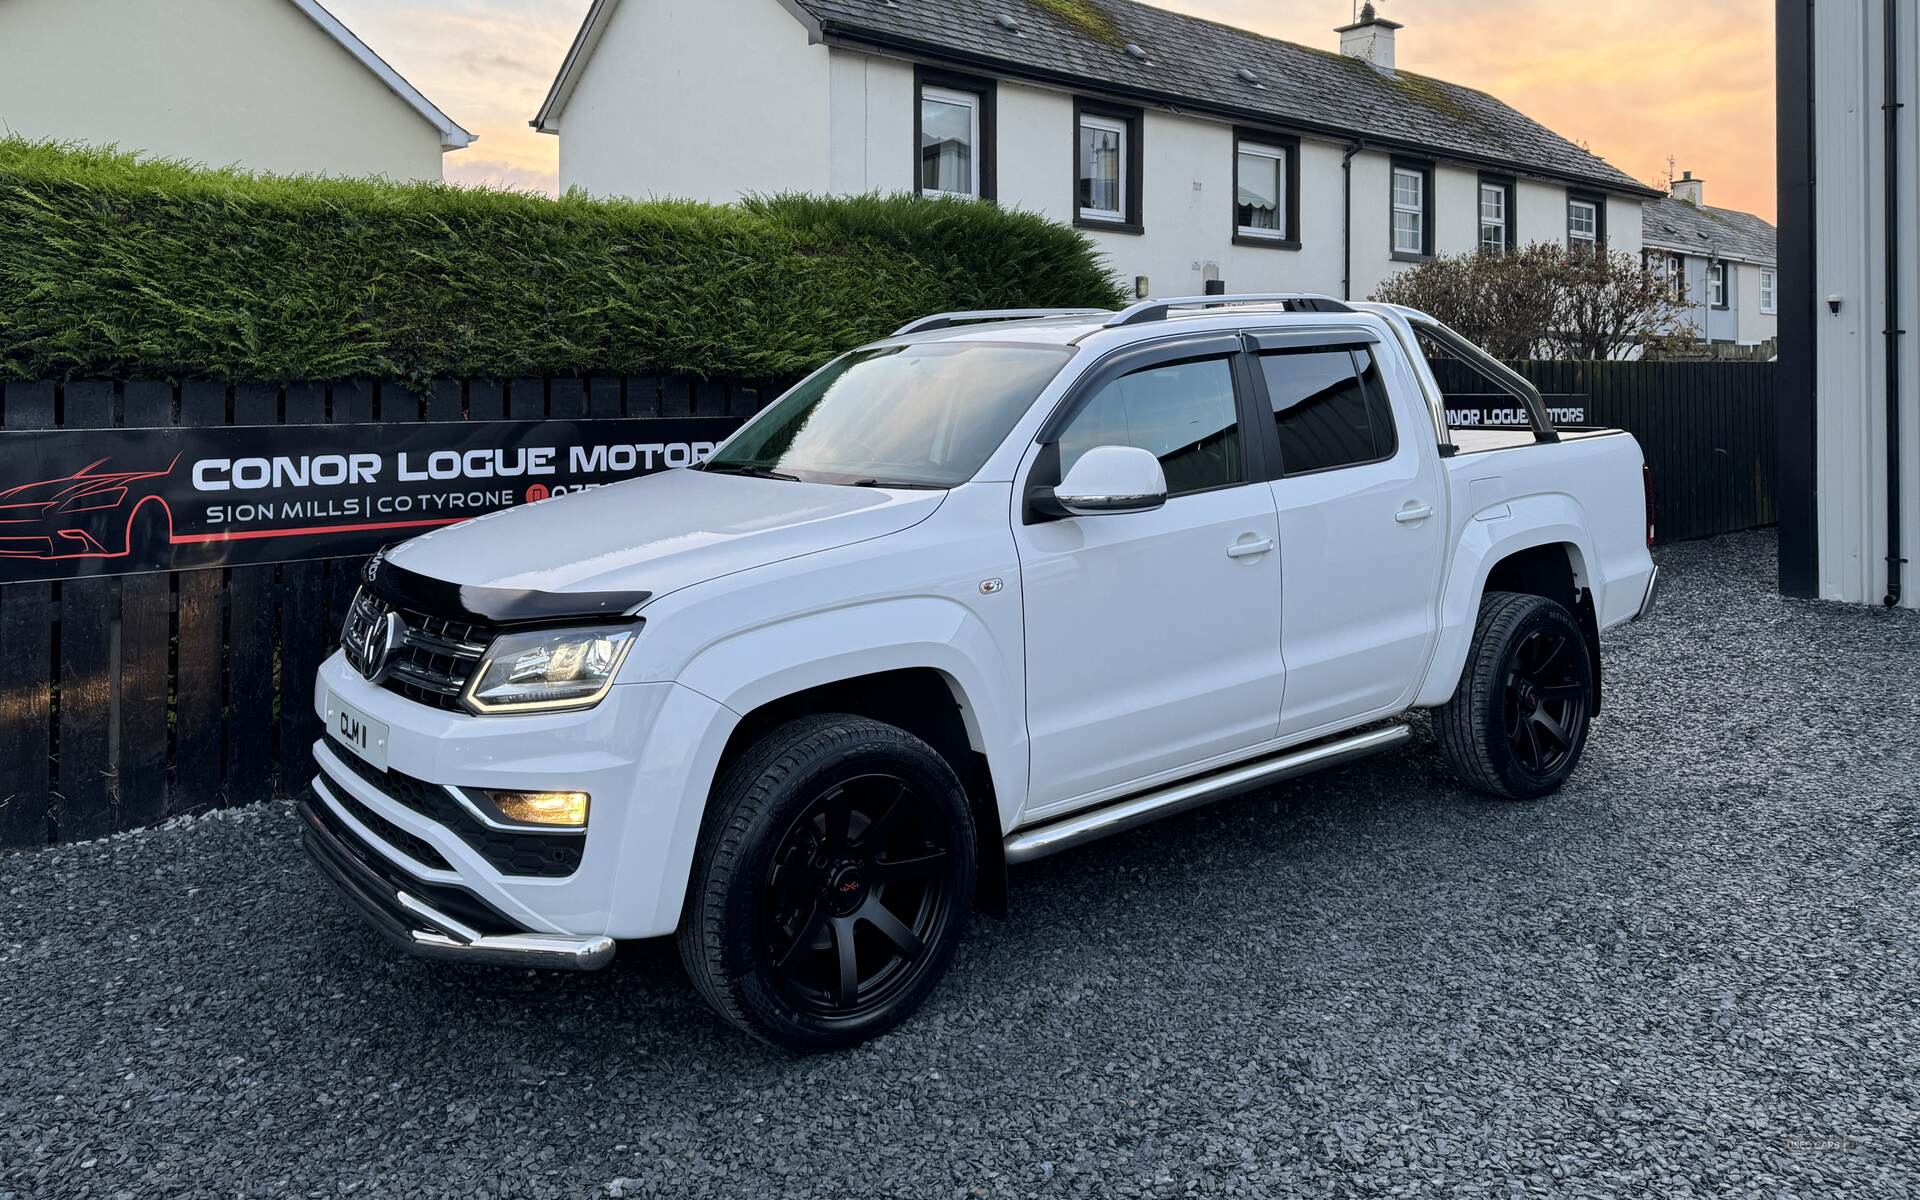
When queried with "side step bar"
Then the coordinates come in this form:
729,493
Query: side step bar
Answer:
1130,812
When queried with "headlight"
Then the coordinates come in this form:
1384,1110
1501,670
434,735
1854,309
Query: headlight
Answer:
541,672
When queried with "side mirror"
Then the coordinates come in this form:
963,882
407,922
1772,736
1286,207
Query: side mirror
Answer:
1113,479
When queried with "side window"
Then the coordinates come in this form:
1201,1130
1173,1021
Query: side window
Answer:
1182,413
1330,407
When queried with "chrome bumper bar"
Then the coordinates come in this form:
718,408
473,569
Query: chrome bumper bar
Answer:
416,927
1652,596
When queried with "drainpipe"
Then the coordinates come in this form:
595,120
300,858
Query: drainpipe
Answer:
1891,109
1346,180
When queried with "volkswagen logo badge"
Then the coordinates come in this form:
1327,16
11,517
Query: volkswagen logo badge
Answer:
377,643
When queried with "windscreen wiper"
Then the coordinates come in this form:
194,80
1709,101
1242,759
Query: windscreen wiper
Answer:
748,470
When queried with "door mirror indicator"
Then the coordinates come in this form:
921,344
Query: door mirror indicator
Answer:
1113,479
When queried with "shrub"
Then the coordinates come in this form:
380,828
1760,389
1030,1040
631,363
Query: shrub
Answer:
113,265
1544,302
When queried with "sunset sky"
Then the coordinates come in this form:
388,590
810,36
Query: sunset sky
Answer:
1636,80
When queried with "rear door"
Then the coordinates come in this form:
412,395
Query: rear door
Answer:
1362,515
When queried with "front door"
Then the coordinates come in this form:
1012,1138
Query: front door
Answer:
1152,638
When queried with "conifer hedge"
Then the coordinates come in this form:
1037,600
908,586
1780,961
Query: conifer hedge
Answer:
116,266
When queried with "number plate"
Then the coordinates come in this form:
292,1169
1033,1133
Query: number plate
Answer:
357,731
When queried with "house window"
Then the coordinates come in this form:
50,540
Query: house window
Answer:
1768,304
1496,215
1677,276
953,135
1585,231
1107,167
1717,283
1263,191
1412,210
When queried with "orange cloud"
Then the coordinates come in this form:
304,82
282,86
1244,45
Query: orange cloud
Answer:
1635,80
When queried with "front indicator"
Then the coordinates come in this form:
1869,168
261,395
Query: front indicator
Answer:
565,810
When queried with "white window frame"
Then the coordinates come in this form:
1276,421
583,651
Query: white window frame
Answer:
1418,210
1591,238
1279,155
1110,125
1505,221
1677,275
971,102
1769,292
1717,283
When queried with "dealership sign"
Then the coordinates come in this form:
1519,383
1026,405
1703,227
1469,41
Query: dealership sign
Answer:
116,501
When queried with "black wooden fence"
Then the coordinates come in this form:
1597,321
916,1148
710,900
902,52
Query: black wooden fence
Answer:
1707,429
125,701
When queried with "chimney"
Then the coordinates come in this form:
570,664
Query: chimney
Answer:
1370,38
1689,189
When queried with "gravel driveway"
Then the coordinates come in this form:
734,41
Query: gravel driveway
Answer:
1695,972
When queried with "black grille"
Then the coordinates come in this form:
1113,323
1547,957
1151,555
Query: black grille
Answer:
428,659
535,855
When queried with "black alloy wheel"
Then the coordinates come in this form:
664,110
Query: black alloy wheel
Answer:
1547,696
833,879
856,892
1518,719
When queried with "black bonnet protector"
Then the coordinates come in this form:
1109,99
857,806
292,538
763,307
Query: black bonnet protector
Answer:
503,607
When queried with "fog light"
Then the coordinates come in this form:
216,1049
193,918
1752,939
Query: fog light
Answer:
542,808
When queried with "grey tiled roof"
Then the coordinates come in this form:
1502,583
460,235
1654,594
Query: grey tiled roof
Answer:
1197,61
1676,225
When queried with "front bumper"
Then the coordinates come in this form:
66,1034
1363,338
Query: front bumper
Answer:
646,754
414,925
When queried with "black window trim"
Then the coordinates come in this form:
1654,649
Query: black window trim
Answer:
1510,186
1290,202
1425,167
1128,360
989,148
1725,303
1277,470
1135,121
1599,202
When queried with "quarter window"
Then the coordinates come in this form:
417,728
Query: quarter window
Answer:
1411,216
1330,409
949,142
1103,168
1184,414
1260,205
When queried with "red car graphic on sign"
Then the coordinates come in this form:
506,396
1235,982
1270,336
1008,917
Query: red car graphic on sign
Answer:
92,513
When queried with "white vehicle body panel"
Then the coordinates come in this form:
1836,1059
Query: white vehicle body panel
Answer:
1089,658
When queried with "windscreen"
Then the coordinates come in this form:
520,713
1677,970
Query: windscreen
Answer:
926,415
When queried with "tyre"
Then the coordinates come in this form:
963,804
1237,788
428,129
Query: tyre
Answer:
1518,722
832,881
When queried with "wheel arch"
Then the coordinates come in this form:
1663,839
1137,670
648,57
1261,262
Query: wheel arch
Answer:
1544,550
925,701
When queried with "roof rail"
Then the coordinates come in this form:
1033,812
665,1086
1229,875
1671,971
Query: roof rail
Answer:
1159,310
950,319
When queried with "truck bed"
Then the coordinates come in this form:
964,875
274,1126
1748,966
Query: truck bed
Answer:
1481,441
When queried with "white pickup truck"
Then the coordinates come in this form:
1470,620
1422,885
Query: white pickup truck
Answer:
993,587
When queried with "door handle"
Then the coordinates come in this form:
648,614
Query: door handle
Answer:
1413,513
1249,549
